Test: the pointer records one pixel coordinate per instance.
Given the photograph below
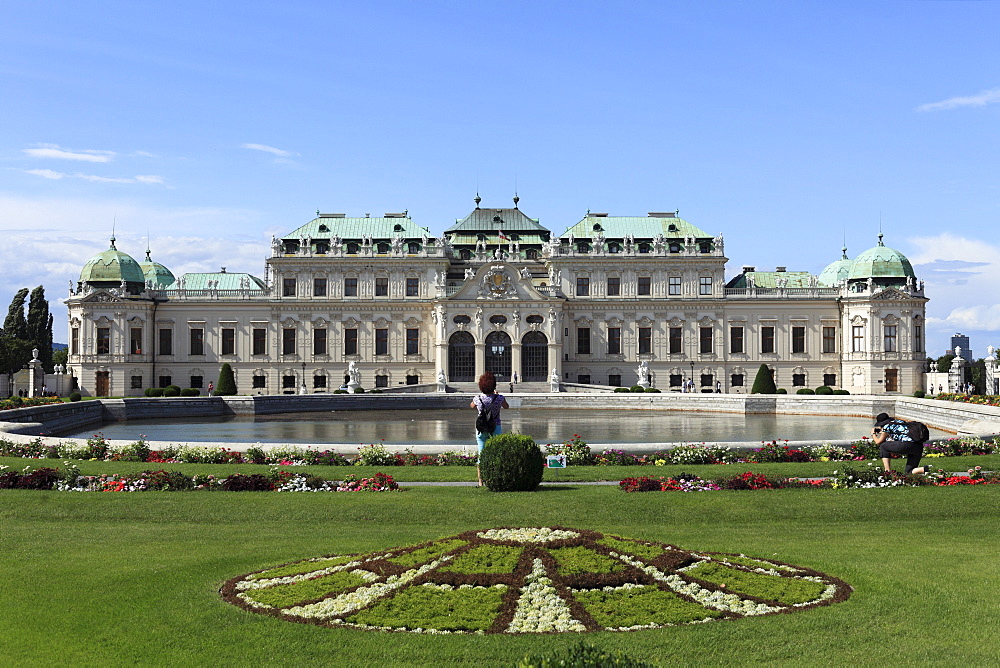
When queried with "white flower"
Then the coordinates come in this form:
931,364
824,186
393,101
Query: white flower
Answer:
528,535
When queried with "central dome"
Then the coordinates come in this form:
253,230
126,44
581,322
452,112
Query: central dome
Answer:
109,268
881,262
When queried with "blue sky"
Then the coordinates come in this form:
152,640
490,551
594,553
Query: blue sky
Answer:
786,127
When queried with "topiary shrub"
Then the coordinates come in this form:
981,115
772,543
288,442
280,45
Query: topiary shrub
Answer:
511,463
621,389
190,392
653,390
764,381
340,391
919,394
804,390
172,391
841,392
781,390
359,390
824,389
154,391
226,387
75,396
637,388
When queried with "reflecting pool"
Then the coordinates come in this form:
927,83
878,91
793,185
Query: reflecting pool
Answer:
455,427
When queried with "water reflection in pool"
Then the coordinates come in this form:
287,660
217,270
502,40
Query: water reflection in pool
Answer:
455,427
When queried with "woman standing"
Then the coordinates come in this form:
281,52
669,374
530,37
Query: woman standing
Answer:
491,401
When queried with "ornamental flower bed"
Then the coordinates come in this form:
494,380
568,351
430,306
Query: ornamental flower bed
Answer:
69,479
871,476
25,402
530,580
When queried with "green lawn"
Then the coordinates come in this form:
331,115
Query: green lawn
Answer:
115,579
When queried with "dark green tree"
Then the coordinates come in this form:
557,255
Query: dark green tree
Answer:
944,362
60,356
39,326
14,354
226,387
764,382
15,326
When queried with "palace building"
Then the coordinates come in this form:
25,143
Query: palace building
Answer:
607,301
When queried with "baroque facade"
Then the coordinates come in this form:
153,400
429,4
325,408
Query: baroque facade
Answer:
611,301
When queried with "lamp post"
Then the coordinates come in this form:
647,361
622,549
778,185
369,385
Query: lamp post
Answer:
692,375
302,388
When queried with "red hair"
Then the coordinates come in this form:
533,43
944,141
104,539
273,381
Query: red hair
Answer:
488,383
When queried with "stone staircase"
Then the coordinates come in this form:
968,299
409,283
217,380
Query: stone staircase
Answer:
502,388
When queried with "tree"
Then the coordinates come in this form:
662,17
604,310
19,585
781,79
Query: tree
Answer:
14,354
39,326
60,356
15,326
226,386
764,382
944,362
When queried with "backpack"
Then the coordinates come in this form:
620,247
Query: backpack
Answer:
486,422
917,431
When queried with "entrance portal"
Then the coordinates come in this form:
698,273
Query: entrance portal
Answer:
462,358
534,357
103,383
498,355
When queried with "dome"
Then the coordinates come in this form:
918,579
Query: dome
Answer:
112,266
836,271
156,273
881,262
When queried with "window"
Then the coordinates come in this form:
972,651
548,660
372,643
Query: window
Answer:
197,381
676,379
736,339
382,341
583,340
918,338
350,286
166,342
381,381
644,286
583,378
645,247
319,342
829,339
736,380
614,340
531,254
582,286
165,381
351,341
705,340
412,248
197,341
767,339
288,383
889,339
288,287
319,382
103,340
857,338
615,380
645,340
798,339
259,382
381,286
74,341
674,339
135,340
412,380
412,287
412,341
228,341
259,341
892,380
288,341
830,379
798,380
705,285
136,383
319,287
614,286
674,285
382,247
707,380
465,254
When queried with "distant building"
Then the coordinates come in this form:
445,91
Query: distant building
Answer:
963,342
609,301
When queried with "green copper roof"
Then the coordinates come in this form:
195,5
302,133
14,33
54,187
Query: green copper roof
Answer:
156,272
836,271
769,279
226,281
616,227
112,266
880,262
324,227
482,220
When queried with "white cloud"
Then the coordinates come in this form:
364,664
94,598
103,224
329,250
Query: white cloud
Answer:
147,179
58,153
269,149
980,99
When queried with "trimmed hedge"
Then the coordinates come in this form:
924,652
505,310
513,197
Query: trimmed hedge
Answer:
764,381
226,387
511,463
75,396
824,389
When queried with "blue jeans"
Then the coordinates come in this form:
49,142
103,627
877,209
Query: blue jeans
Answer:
482,438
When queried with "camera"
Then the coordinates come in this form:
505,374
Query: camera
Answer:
877,430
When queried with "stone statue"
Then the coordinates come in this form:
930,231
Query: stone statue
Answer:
554,377
397,244
354,375
34,354
989,352
441,276
470,273
441,378
479,317
643,373
446,245
659,242
870,283
525,273
275,246
517,317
